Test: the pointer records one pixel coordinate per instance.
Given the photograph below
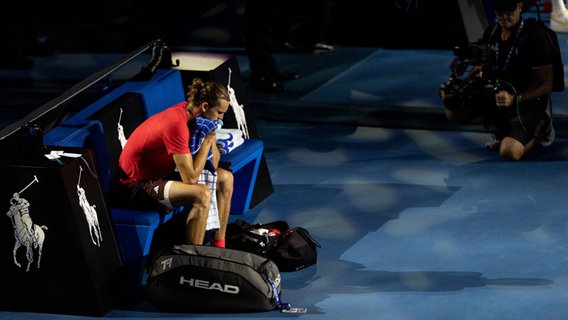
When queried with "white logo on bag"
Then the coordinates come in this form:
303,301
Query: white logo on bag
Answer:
166,264
204,284
277,280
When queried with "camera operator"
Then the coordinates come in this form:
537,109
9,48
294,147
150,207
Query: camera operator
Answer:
509,90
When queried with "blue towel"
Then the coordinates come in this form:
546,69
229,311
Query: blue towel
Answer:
199,127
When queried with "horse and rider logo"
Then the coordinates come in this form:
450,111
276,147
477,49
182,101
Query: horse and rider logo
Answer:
120,129
90,212
26,233
31,236
237,108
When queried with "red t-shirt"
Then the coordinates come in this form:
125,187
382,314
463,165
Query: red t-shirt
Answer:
148,153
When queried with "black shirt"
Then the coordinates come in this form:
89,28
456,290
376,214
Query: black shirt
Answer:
511,61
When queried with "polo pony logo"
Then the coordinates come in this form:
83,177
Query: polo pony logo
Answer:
120,130
238,109
90,212
26,233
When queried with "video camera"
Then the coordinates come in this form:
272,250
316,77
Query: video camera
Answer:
475,53
468,90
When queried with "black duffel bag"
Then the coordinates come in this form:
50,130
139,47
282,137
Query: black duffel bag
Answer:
255,238
191,278
294,250
291,249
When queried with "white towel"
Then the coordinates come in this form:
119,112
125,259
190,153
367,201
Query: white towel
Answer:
210,179
229,139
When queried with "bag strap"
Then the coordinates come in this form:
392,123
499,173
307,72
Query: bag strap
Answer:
537,3
242,223
279,304
306,235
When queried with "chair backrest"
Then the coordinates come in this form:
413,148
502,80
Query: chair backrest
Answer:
119,118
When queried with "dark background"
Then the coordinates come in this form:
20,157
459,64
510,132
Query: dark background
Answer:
110,26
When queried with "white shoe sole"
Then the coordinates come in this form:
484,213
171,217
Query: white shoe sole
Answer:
559,25
549,138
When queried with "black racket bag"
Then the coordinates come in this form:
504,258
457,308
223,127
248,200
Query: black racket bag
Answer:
192,278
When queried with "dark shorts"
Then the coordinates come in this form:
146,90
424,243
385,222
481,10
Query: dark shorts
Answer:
149,194
523,123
